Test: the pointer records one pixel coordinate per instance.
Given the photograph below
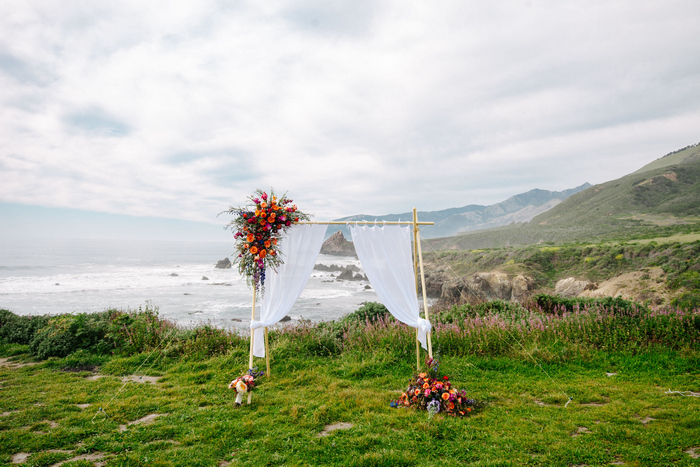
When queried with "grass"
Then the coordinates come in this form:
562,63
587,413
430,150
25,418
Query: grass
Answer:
627,417
554,396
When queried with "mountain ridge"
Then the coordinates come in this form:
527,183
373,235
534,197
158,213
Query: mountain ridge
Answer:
452,221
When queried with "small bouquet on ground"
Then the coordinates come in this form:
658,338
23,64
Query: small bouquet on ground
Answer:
257,228
244,384
429,391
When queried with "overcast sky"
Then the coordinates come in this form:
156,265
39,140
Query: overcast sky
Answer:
178,109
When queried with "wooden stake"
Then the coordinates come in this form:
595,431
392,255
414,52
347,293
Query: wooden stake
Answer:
267,353
425,297
252,338
415,270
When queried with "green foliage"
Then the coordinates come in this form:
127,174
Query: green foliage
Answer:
687,301
16,329
369,312
138,331
66,334
553,304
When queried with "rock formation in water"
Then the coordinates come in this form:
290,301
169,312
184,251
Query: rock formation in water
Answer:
337,245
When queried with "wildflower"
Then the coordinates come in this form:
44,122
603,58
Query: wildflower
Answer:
445,396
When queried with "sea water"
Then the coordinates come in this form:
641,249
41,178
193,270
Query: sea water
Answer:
54,276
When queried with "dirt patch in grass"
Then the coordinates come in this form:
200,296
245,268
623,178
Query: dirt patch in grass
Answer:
20,457
335,426
147,420
141,379
582,430
7,363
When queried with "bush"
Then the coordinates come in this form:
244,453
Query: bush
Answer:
65,334
687,301
15,329
370,311
551,304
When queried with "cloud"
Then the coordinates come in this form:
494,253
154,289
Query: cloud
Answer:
178,109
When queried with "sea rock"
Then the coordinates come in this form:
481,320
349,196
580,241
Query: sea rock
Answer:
205,278
348,275
571,287
337,245
223,263
174,275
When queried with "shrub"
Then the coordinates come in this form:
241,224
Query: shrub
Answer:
65,334
137,331
15,329
370,311
687,301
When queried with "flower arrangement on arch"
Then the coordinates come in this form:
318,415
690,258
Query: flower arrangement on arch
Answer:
257,228
245,383
434,393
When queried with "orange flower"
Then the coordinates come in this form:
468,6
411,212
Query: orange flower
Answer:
267,243
426,386
262,222
263,214
422,375
250,238
254,250
263,253
272,253
417,392
445,396
246,246
275,207
257,212
452,406
274,241
272,216
469,409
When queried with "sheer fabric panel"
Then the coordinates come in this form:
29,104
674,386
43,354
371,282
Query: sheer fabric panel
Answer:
299,248
385,254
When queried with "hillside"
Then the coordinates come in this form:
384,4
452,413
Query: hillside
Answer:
660,199
453,221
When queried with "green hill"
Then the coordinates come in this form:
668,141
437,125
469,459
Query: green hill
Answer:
662,198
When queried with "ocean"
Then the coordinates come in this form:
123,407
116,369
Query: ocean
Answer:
55,276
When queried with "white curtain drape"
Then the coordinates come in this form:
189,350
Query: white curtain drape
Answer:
299,248
385,254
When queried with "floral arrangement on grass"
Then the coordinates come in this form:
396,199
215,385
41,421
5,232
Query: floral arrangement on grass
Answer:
429,391
257,228
245,383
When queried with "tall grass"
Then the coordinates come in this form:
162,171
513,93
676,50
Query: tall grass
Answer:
556,331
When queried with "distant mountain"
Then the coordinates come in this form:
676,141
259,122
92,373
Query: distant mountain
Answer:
660,197
453,221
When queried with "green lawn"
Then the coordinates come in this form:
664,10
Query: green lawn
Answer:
49,415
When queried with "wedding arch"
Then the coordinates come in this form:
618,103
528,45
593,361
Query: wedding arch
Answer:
384,249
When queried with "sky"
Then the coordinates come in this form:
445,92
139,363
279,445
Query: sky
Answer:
132,114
